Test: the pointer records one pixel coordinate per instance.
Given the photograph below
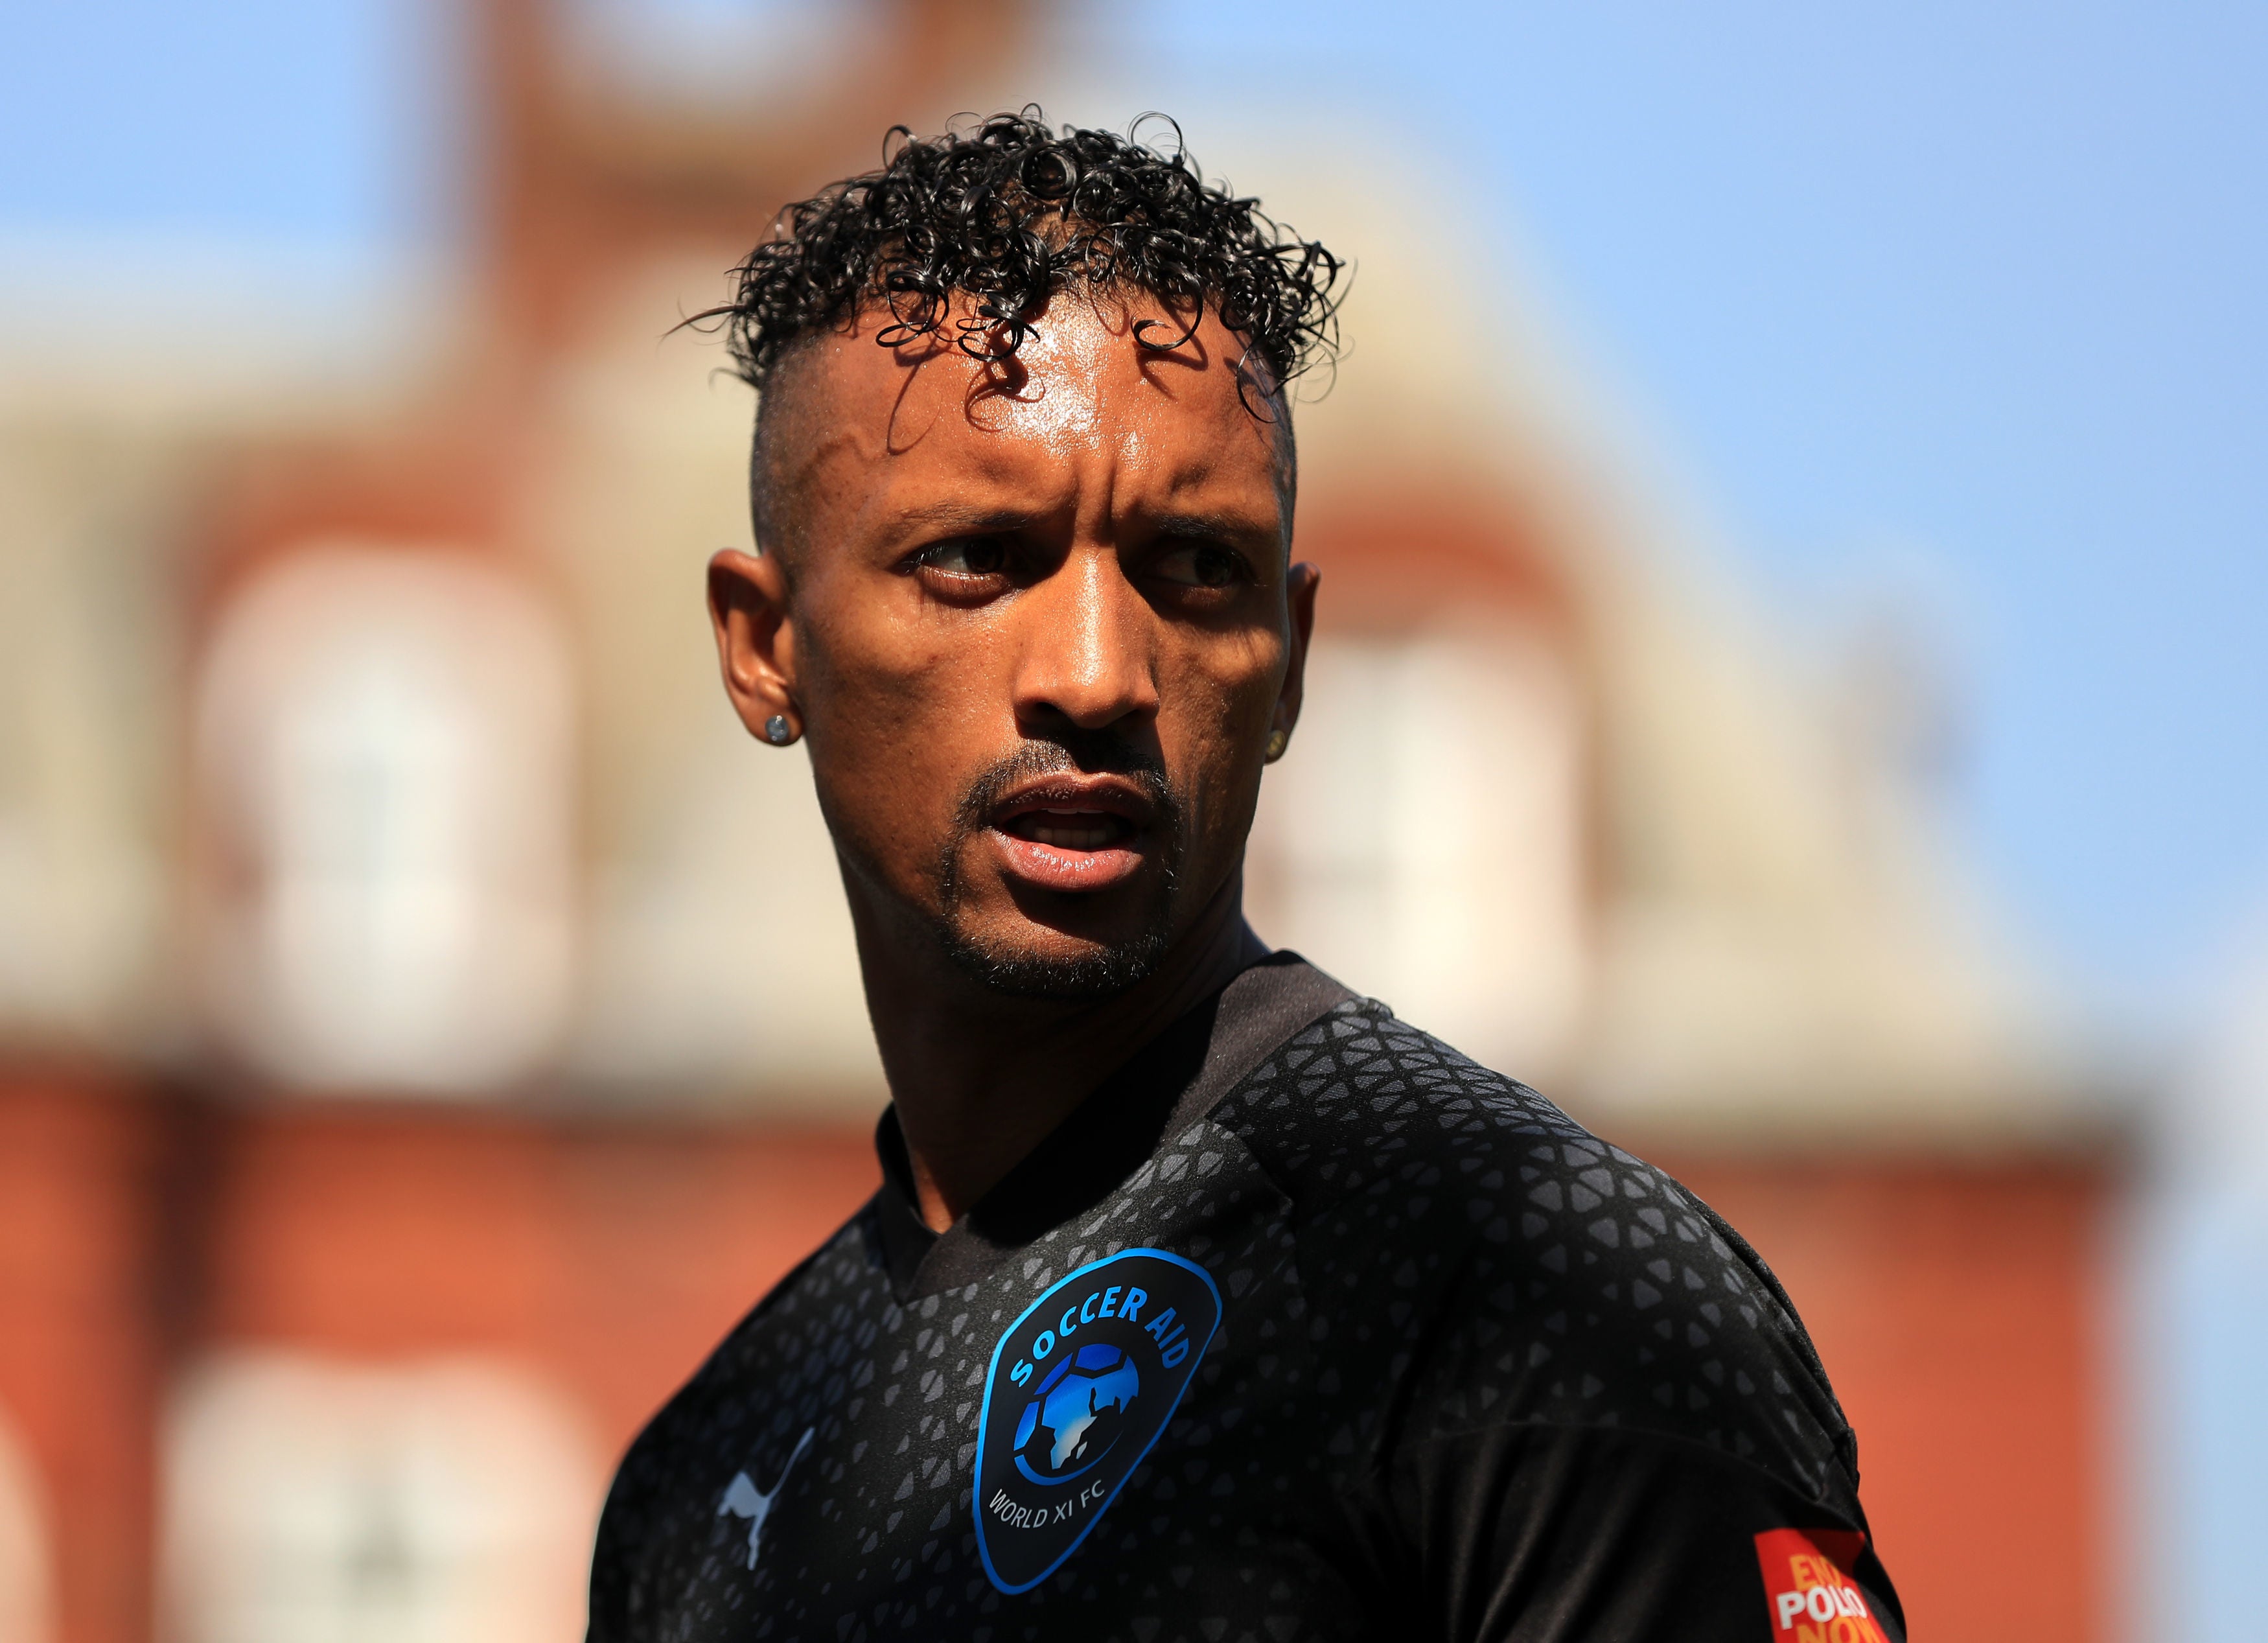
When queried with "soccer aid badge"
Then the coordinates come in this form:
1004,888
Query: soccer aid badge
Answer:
1080,1388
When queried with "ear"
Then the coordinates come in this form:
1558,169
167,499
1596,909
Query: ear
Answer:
1299,592
755,639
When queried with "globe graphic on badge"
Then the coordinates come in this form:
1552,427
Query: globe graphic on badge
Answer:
1075,1414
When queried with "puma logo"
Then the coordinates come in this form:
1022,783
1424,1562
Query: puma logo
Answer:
743,1499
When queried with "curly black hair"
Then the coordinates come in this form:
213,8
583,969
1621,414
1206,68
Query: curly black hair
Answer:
1009,212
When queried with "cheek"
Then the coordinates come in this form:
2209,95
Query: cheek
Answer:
1220,719
891,723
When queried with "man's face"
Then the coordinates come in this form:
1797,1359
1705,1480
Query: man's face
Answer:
1039,627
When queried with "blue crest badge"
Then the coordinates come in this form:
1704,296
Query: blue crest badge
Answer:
1079,1388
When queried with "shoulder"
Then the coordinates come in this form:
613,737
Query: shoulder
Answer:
818,1306
759,1376
1360,1106
1511,1267
767,1380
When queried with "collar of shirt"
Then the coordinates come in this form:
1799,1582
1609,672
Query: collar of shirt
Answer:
1167,1085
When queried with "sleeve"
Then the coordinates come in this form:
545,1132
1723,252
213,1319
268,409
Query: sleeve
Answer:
1538,1533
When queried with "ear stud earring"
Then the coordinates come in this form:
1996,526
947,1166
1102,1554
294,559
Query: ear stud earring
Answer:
1278,741
777,731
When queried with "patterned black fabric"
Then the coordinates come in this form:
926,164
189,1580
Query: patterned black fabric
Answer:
1477,1374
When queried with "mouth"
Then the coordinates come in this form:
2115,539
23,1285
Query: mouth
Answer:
1081,834
1068,830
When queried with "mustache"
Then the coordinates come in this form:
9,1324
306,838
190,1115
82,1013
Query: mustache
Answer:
1071,752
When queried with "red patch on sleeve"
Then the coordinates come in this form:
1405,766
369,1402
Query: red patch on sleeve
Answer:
1808,1590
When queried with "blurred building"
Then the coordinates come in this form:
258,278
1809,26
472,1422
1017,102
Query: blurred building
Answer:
429,1023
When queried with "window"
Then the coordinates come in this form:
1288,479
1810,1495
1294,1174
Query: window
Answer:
1424,838
385,743
312,1501
717,54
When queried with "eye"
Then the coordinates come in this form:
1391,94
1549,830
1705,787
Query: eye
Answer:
1202,565
965,555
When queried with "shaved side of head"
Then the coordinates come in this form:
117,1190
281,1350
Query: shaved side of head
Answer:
785,406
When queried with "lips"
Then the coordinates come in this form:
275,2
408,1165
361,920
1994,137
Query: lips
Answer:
1079,834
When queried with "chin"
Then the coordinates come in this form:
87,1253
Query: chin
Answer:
1067,970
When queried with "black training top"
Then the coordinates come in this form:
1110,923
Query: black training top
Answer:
1302,1326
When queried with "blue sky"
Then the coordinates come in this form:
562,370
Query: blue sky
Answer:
1969,293
263,119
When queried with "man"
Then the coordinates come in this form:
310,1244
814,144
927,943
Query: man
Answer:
1202,1298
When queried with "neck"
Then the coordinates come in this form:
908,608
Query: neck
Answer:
980,1078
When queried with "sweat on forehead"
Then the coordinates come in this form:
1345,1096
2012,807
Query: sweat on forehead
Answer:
1091,367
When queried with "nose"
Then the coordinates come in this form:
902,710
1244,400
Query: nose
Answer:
1087,657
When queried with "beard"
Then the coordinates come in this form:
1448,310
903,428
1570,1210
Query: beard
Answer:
1104,969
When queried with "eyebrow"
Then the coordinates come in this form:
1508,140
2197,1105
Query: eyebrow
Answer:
960,517
1230,529
948,518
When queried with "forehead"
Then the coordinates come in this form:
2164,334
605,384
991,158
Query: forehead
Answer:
1083,400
